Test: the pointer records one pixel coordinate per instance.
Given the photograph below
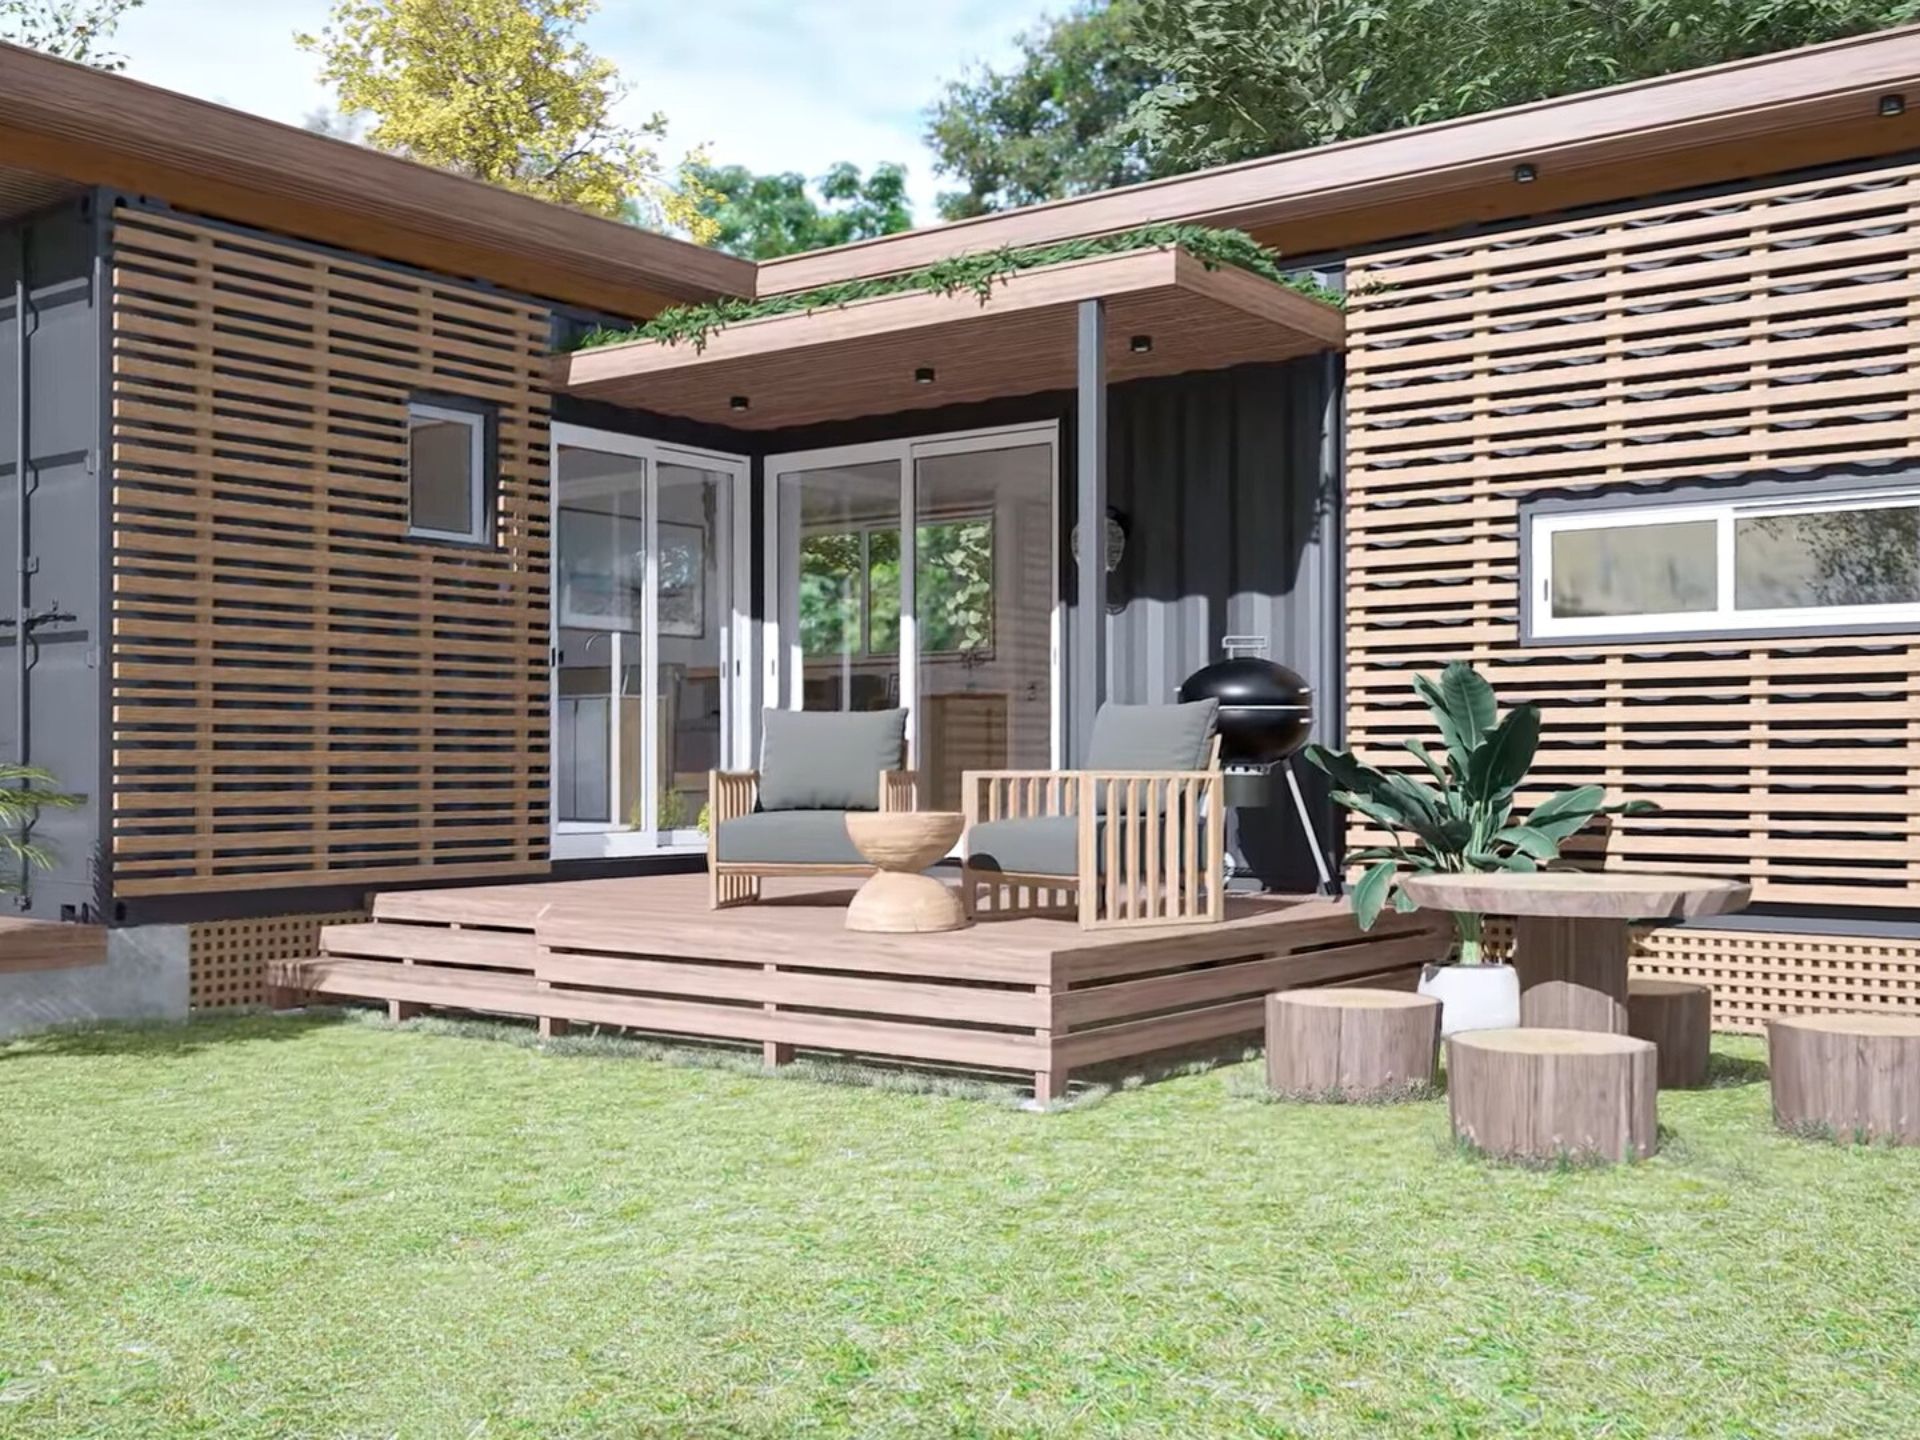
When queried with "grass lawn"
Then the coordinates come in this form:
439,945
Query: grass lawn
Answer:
314,1226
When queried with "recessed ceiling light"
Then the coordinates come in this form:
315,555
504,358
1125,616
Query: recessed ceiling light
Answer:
1893,104
923,376
1525,174
738,402
1141,344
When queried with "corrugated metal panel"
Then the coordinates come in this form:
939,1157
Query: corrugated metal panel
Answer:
1228,484
62,541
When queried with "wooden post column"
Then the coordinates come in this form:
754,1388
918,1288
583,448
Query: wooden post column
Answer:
1088,641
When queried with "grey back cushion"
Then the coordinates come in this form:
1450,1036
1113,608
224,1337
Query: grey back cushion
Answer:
1152,737
828,759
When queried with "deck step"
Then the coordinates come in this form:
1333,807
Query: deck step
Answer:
432,944
415,984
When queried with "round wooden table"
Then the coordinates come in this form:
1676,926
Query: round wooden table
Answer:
901,899
1572,934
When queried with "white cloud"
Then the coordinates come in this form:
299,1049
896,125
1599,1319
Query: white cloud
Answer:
764,84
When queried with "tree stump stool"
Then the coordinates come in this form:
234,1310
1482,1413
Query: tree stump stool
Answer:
1855,1077
1351,1043
1678,1019
1553,1094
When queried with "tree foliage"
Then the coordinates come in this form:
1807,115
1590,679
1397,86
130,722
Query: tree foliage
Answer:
763,216
74,30
1257,77
1054,124
504,91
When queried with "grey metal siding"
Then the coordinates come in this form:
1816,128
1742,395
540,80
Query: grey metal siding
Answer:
1228,483
54,564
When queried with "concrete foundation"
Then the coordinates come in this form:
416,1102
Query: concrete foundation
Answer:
144,978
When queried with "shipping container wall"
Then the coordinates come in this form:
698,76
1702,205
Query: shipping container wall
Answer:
50,547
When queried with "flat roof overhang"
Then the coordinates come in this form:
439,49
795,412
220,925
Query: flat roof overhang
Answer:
65,126
1761,116
863,358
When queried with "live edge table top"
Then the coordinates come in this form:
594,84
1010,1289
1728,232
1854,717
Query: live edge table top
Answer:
1580,895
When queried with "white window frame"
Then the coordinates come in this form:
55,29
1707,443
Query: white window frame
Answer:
1724,618
481,531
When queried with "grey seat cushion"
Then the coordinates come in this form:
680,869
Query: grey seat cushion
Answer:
1152,737
828,759
787,837
1038,845
1050,845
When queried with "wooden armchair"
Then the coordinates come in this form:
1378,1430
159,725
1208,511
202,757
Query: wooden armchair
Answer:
790,816
1109,846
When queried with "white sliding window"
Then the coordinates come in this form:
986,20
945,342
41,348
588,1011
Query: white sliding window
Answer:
1779,563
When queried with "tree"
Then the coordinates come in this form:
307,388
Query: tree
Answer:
1257,77
501,90
71,29
1055,124
761,216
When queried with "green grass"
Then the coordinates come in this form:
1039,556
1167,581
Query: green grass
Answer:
307,1226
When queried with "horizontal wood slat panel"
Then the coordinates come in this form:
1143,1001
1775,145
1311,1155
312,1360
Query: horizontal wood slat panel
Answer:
302,693
1773,331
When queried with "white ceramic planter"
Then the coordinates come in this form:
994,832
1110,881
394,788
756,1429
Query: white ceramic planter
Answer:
1473,997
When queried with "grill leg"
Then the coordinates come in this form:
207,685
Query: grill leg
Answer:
1306,825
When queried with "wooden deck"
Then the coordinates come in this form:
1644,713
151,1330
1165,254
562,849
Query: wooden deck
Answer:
1039,997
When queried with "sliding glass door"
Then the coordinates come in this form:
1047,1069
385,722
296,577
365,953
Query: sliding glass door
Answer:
646,665
961,626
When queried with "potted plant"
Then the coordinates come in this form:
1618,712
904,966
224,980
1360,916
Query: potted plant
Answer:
1462,821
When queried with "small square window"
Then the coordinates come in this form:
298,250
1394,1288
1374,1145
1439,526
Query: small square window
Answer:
446,474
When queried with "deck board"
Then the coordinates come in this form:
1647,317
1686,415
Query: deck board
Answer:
1035,995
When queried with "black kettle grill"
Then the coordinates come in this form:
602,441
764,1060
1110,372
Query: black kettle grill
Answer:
1266,714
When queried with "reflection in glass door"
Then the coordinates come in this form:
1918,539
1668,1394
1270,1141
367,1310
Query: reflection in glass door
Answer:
838,576
961,627
644,542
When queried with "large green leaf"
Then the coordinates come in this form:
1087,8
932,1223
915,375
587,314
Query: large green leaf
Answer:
1565,812
1371,893
1536,843
1500,764
1458,750
1425,757
1469,701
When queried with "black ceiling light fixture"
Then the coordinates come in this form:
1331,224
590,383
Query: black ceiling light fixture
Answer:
739,402
1525,174
1141,344
924,375
1891,105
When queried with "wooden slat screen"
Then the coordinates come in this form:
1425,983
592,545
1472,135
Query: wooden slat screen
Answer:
300,692
1766,331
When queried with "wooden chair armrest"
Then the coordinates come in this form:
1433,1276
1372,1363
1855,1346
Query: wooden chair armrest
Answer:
730,794
899,790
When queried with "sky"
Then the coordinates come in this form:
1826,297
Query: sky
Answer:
762,83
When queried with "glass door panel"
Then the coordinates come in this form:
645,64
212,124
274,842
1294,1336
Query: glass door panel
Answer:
984,597
645,542
840,585
600,594
693,512
583,716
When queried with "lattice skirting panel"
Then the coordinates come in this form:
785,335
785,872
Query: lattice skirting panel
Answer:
227,959
1756,975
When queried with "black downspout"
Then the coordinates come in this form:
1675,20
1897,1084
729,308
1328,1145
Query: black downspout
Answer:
22,899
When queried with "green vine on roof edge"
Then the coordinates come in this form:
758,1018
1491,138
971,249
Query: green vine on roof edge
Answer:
696,324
